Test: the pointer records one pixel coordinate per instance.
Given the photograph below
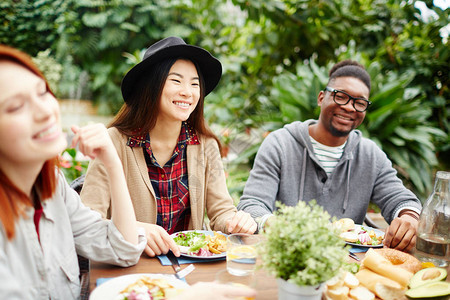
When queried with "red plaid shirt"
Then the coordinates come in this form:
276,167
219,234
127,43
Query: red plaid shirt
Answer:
170,182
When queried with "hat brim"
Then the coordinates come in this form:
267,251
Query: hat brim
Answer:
210,67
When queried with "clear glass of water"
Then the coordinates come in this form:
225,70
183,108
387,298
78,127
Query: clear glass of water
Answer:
241,253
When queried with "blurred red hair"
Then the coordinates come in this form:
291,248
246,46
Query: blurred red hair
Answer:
12,200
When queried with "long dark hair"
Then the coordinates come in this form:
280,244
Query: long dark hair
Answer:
12,199
138,115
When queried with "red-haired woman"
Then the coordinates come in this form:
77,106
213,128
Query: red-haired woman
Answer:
171,159
43,224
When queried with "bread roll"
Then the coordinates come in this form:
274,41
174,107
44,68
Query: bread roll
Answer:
349,236
379,264
350,280
335,282
401,259
340,293
344,224
389,293
369,279
361,293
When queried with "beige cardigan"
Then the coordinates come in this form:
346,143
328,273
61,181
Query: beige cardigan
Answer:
207,184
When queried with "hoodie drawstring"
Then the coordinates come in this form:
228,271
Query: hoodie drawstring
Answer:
302,178
344,206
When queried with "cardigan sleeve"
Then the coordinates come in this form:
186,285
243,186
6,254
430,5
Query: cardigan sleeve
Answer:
219,204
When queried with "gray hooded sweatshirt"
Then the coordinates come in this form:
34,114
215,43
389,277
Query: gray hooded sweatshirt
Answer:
286,170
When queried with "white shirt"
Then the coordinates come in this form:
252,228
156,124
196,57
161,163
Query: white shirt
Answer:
327,156
49,269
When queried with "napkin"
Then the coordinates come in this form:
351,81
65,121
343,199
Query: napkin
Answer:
186,260
358,249
102,280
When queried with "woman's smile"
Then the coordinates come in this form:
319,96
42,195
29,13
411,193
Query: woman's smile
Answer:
48,134
181,104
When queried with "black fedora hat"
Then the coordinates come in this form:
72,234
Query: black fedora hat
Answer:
210,67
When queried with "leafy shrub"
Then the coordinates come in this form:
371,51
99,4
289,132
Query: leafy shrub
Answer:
301,246
50,67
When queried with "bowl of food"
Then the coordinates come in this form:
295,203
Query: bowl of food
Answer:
139,286
359,235
201,244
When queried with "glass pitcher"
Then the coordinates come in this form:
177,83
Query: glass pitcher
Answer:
433,233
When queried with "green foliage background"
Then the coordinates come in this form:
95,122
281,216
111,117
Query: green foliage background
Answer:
275,53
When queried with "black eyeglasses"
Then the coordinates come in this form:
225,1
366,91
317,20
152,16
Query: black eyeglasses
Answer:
342,98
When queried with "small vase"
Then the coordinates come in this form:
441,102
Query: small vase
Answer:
291,291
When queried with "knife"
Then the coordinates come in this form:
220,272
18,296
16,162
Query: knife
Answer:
176,266
353,255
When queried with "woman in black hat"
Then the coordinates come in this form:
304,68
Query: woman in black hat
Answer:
171,158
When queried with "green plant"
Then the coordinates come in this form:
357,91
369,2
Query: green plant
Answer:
50,68
398,122
301,246
71,166
33,26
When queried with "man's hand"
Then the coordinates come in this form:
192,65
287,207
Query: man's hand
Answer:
401,234
242,222
269,221
158,240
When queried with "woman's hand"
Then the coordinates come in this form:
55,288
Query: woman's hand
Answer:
94,141
158,240
242,222
216,291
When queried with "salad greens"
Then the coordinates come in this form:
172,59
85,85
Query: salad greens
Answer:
194,240
368,238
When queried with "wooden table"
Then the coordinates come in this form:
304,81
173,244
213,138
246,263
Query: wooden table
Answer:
266,284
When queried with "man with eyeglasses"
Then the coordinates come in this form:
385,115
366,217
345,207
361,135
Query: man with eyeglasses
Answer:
328,160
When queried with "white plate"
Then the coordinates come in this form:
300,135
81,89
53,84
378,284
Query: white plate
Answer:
367,228
110,289
206,232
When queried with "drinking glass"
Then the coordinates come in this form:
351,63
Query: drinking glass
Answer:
241,253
